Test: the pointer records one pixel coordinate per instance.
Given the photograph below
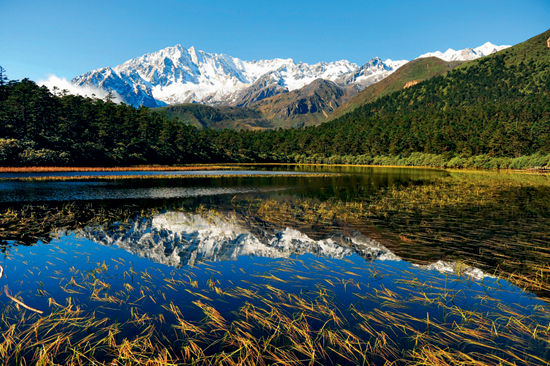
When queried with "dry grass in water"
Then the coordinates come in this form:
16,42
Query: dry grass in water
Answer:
272,324
170,176
39,169
316,312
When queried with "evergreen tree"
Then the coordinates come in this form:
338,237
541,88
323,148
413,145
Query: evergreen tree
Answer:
3,76
3,82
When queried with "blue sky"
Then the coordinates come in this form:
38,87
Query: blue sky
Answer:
67,38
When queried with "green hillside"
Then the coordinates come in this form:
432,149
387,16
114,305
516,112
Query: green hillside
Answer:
219,117
409,74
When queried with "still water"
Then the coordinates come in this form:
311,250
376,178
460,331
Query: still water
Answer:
352,266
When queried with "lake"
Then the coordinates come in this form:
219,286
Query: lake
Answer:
276,264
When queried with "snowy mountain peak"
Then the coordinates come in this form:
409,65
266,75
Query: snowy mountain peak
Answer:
487,48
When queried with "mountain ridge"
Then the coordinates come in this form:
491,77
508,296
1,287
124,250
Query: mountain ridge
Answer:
175,75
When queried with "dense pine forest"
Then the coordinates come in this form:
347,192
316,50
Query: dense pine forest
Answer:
492,112
39,128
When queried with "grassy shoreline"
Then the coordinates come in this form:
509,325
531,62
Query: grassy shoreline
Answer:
232,166
161,176
48,169
537,161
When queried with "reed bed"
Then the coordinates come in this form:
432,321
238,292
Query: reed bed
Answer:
189,317
107,177
42,169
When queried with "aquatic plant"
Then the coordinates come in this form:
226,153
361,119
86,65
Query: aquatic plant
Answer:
269,321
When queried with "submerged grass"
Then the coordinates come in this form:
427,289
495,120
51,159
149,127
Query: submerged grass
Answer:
494,221
28,224
272,325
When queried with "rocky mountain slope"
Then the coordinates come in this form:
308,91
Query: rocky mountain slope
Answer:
307,106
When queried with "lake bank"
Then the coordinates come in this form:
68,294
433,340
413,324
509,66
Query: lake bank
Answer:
530,163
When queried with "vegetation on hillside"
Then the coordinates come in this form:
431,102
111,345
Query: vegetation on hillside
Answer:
407,75
39,128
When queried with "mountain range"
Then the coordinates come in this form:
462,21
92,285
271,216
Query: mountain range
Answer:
176,75
466,54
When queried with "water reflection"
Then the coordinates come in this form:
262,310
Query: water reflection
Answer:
180,239
367,267
81,191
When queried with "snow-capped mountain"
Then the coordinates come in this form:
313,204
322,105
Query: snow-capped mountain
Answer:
466,54
179,75
370,73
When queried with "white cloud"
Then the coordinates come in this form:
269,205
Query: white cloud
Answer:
62,84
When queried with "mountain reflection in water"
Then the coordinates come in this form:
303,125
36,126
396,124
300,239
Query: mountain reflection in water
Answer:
179,239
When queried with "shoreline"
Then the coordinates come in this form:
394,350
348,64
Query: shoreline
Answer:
233,166
161,176
148,168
